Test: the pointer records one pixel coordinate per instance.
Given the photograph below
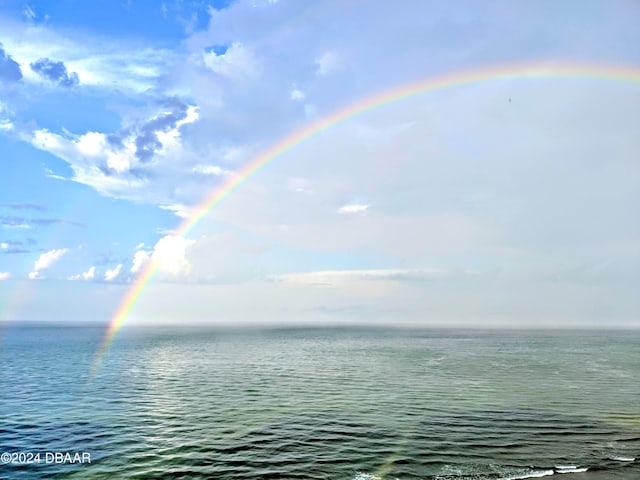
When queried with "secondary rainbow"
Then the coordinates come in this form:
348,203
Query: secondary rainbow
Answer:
531,71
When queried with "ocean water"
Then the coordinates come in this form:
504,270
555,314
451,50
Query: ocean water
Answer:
339,404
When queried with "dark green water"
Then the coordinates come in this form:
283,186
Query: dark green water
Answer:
323,404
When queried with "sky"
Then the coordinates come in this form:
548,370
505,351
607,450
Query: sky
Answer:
510,202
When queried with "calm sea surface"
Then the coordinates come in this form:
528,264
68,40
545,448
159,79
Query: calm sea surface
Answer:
339,404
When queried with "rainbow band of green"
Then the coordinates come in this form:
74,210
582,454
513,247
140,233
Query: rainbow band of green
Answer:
615,73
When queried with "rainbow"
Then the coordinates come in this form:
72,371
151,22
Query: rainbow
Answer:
529,71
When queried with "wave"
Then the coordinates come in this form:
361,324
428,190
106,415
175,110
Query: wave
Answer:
492,472
623,459
365,476
569,469
533,474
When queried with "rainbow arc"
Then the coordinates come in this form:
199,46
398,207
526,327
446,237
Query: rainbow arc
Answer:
505,72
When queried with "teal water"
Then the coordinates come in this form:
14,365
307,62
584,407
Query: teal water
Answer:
323,404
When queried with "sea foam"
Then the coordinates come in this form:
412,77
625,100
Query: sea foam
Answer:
570,469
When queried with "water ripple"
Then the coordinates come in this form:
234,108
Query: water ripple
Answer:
325,404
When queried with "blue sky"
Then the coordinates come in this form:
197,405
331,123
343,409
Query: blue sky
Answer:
511,202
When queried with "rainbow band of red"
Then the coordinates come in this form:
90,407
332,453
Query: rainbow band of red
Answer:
547,70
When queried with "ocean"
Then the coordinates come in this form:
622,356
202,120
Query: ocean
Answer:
320,403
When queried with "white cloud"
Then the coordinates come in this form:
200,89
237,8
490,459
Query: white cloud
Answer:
4,245
19,226
335,278
88,275
237,63
4,275
353,208
211,170
171,256
28,12
181,211
45,261
86,155
219,258
140,259
112,168
297,94
105,63
327,63
113,273
170,137
170,253
49,258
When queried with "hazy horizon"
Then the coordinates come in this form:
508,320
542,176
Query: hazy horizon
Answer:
274,326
